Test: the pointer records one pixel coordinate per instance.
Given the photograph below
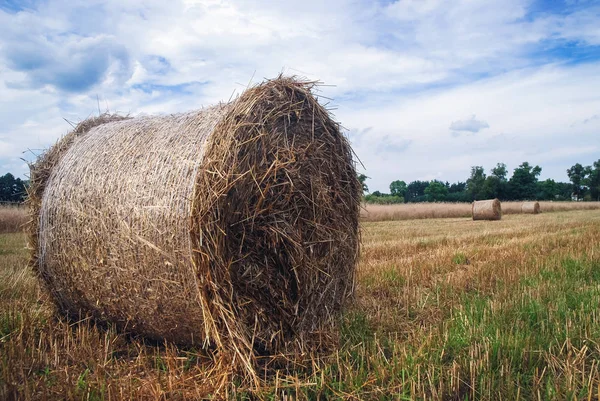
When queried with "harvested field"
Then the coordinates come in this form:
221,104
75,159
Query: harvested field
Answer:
408,211
444,309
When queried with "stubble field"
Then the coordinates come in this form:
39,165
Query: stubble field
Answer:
444,309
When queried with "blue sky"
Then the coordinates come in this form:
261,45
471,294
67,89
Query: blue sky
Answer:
425,88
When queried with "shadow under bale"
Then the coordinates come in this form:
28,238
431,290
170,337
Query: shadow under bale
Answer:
234,227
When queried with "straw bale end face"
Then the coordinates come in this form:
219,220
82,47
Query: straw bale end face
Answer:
490,209
285,219
234,227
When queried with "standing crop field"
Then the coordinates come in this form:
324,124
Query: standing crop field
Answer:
12,218
444,309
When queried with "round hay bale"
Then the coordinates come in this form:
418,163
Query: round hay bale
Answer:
530,207
487,210
234,227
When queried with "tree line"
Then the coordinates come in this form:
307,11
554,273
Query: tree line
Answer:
522,185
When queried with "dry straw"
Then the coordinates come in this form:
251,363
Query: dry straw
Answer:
234,227
487,210
530,207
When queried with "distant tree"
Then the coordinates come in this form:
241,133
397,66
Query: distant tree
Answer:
496,185
398,188
500,171
415,191
383,199
12,189
564,190
523,183
457,193
363,179
546,190
436,191
491,187
577,175
475,183
457,187
594,180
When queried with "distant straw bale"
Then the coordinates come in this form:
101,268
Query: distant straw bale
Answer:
487,210
530,208
234,227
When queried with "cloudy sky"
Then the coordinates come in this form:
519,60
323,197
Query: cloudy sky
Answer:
425,88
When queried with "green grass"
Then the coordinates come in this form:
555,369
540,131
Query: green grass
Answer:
531,343
460,259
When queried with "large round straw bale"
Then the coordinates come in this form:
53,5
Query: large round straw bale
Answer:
487,210
530,207
233,227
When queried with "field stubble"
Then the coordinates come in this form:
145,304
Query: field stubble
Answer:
444,309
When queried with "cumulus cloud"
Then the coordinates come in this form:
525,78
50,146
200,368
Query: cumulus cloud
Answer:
513,106
388,144
398,76
70,64
471,125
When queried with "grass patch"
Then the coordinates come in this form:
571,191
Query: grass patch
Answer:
460,259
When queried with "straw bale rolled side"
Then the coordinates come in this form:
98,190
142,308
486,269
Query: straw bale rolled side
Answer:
233,227
487,210
530,207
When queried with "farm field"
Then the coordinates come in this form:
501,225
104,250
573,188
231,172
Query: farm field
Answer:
12,217
409,211
444,309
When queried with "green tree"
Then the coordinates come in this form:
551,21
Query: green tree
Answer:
500,171
547,190
12,189
523,183
415,191
475,183
496,185
457,187
436,191
594,180
577,175
363,182
457,193
564,190
398,188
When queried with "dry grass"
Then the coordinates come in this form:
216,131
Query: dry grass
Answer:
409,211
12,218
444,309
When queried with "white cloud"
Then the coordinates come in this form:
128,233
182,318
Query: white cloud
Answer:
401,72
471,125
530,114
